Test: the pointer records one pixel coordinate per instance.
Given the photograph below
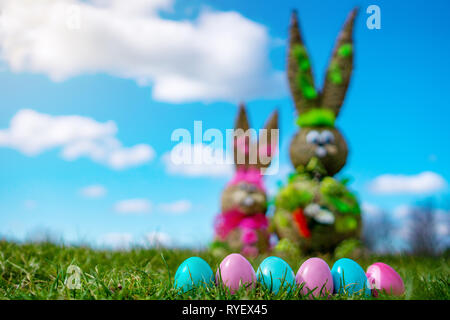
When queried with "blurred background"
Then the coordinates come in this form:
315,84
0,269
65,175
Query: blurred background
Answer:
91,92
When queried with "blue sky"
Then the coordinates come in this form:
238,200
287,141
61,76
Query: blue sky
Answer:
395,117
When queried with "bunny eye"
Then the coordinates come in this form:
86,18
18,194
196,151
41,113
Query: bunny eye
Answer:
313,137
238,196
248,188
258,197
326,137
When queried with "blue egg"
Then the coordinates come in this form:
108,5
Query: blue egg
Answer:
349,278
274,273
193,272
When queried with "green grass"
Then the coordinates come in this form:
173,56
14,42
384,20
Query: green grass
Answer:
39,271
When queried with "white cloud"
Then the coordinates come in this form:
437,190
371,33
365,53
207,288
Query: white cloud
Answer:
177,207
157,239
116,240
32,133
93,191
198,160
424,182
133,206
125,157
220,55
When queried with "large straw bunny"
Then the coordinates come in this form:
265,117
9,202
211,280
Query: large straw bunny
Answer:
242,225
313,209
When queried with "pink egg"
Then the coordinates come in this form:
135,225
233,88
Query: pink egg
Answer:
384,278
235,271
316,275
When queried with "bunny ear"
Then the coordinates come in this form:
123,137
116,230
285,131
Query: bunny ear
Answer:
340,68
242,120
242,139
299,71
271,124
268,141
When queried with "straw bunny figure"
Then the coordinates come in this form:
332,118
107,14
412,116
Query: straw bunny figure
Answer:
313,209
242,225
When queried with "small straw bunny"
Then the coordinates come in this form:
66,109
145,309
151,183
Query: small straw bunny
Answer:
242,225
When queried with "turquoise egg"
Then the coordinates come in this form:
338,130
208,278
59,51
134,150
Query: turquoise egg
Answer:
193,272
274,273
349,278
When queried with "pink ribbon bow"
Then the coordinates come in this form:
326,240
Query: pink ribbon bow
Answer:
230,220
250,175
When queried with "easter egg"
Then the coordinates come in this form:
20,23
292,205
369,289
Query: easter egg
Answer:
349,278
383,277
193,272
235,271
316,276
274,273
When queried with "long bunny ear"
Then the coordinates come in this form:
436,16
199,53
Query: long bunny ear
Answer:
272,122
340,68
268,141
242,120
299,71
242,139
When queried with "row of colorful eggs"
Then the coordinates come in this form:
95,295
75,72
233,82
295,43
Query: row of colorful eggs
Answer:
314,275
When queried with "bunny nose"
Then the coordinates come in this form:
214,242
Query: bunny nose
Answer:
248,201
321,151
